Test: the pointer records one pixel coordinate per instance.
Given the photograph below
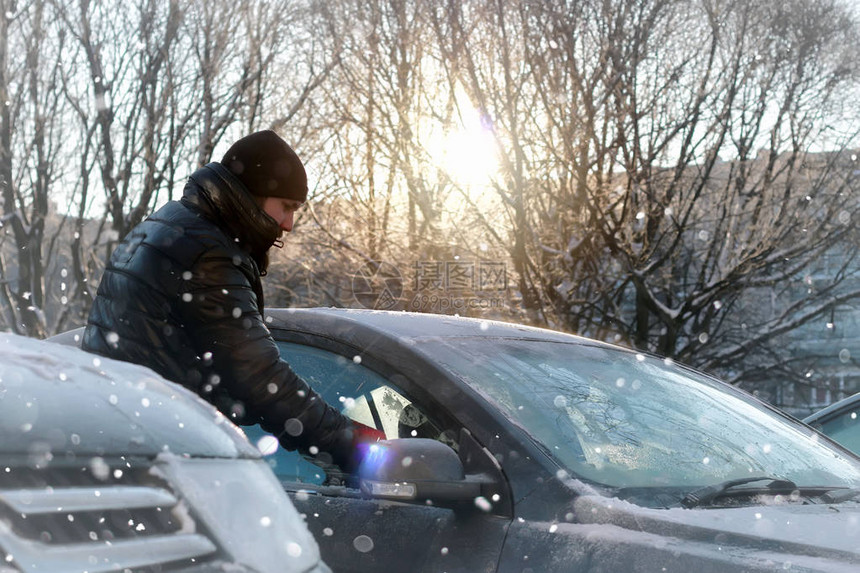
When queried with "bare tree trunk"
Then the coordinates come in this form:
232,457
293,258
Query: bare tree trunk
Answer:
25,194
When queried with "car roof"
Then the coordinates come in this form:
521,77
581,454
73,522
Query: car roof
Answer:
413,325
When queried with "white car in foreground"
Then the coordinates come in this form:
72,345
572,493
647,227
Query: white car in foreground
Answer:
105,466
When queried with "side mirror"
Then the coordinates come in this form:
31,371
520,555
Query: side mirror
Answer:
428,471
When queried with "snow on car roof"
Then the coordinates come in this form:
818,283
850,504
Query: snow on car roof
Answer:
403,324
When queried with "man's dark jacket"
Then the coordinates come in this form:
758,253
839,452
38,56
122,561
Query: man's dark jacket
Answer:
182,295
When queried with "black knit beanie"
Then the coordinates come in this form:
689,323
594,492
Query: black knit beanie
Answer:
267,166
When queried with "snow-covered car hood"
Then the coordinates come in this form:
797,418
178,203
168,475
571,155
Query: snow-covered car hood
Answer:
109,467
130,410
815,530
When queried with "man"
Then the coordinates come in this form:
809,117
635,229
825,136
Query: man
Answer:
182,295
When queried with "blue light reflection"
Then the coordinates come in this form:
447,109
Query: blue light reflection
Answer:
373,457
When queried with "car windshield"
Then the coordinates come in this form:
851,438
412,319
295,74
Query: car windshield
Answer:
628,420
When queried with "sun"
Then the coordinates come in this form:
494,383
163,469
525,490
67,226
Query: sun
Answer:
467,152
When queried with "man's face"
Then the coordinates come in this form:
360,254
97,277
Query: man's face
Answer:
282,211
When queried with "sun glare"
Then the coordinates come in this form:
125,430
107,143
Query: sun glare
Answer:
467,154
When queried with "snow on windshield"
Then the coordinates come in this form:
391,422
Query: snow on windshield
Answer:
627,420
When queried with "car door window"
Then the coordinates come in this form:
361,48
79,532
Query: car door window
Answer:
845,429
358,392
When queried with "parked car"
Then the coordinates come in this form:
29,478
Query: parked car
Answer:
840,422
531,450
517,449
108,467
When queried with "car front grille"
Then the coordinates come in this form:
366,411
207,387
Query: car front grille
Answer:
96,517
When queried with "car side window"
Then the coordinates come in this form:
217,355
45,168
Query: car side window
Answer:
845,429
358,392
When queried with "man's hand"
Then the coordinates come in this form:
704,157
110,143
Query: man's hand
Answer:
362,438
365,435
343,470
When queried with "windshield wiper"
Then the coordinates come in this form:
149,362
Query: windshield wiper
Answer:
840,495
706,495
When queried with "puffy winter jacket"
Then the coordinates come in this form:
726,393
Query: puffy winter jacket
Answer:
182,295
